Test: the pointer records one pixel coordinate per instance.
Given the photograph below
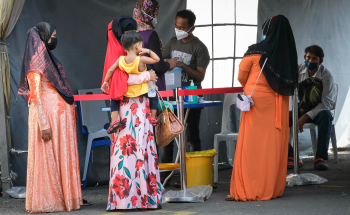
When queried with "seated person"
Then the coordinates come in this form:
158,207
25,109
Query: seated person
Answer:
320,115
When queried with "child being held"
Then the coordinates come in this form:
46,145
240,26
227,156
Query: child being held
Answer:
132,63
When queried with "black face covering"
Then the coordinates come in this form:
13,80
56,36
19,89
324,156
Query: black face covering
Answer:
53,43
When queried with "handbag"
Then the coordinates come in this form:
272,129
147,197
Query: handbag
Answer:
170,126
245,102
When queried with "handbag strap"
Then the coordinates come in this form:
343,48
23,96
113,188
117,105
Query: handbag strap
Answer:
258,76
159,96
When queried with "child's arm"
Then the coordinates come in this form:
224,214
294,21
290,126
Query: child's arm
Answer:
109,74
149,60
111,70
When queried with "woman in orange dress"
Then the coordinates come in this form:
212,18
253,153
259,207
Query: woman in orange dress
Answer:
259,169
53,175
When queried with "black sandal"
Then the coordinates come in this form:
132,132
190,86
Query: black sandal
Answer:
229,198
86,203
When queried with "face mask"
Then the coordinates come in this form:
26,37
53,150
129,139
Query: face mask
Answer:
311,66
154,20
53,43
263,37
181,34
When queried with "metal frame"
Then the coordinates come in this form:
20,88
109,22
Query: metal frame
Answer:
212,25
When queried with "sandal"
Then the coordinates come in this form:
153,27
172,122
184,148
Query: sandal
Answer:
113,127
229,198
177,184
86,203
154,122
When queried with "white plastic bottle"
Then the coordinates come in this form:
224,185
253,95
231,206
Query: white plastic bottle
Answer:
151,89
190,97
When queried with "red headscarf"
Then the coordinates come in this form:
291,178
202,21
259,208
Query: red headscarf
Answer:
118,85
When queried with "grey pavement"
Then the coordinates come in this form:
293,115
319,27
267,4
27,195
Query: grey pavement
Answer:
331,198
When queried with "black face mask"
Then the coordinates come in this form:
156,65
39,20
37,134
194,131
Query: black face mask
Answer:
53,43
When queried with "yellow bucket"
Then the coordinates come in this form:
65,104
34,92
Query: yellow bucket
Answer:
199,168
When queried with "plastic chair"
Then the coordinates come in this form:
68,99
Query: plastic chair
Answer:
312,127
93,121
226,134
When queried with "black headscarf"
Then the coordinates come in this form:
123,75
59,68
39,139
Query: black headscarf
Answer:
45,31
121,24
281,69
37,57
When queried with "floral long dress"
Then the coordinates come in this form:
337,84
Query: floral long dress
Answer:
134,174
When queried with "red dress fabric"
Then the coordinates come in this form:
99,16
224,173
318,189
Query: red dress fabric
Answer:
118,85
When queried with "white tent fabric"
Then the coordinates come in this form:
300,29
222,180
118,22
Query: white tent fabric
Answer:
324,23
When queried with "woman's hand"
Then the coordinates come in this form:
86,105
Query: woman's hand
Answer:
172,63
105,86
46,135
152,75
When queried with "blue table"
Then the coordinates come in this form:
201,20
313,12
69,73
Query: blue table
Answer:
186,105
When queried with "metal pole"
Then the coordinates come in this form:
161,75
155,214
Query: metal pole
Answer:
295,132
182,146
4,147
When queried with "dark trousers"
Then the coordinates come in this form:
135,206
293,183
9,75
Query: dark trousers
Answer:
324,123
192,134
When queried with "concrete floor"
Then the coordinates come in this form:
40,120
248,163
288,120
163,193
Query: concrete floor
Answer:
331,198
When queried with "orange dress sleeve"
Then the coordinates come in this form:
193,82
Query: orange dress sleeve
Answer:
244,69
35,99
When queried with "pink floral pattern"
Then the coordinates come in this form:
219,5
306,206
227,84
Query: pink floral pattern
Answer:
134,175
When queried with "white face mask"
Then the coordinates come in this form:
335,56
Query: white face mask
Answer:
181,34
154,20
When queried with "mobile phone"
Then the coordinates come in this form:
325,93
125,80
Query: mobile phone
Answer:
240,97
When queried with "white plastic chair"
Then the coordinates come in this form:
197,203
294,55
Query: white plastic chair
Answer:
225,134
312,127
94,120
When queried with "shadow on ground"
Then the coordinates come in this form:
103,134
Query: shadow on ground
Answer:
331,198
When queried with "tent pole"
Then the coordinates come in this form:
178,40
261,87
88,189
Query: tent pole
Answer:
295,133
4,147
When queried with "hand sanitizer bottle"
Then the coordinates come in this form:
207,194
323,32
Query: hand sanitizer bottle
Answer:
192,99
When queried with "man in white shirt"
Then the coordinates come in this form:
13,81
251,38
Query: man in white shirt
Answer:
320,115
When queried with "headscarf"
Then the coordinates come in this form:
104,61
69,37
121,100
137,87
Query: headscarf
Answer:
121,24
118,85
281,69
144,22
37,57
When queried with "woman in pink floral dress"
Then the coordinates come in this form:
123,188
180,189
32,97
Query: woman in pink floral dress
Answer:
134,175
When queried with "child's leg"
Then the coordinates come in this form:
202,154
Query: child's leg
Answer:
115,124
154,107
115,115
154,113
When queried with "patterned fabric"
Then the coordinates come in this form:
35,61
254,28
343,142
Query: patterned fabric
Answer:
53,174
144,22
38,58
134,174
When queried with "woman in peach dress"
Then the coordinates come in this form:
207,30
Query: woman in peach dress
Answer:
260,164
53,175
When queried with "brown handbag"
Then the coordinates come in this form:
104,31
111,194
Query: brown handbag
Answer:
170,126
